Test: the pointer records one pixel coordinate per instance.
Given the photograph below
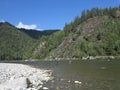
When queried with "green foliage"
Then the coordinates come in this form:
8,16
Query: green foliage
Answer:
77,41
95,33
105,42
86,14
51,42
14,44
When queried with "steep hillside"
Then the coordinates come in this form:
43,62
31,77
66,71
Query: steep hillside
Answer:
95,33
47,44
98,36
14,44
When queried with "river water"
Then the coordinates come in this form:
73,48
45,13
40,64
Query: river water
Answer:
81,74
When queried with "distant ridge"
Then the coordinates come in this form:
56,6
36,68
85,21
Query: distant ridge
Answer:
37,34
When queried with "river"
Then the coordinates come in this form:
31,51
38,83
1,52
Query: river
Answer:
80,74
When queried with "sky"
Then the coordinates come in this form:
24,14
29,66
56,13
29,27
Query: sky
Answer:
47,14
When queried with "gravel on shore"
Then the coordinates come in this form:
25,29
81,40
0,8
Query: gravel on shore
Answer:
22,77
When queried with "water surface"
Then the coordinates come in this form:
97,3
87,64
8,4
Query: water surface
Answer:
93,74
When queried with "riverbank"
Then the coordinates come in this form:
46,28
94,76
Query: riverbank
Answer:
84,58
22,77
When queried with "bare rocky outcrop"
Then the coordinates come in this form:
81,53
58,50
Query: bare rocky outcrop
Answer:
38,49
68,48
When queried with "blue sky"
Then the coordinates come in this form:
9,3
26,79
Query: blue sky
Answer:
47,14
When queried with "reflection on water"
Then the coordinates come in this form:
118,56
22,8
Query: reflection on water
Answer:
82,75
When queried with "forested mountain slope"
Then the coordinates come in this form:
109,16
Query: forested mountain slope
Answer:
95,33
17,44
14,44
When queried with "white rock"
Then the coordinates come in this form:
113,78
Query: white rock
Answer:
77,82
15,84
45,88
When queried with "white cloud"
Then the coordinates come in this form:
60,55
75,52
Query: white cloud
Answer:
2,20
21,25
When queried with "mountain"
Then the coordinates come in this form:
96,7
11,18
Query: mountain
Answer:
47,44
37,34
95,33
14,44
18,44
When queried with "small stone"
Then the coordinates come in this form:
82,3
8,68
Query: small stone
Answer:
69,81
45,88
39,87
57,88
77,82
103,67
52,81
62,79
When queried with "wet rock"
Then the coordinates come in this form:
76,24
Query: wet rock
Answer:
103,67
69,81
77,82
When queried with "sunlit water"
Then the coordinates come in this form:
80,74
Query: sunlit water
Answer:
92,74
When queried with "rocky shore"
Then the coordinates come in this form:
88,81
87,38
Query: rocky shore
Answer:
22,77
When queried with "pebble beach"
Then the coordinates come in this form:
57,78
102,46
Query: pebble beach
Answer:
22,77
